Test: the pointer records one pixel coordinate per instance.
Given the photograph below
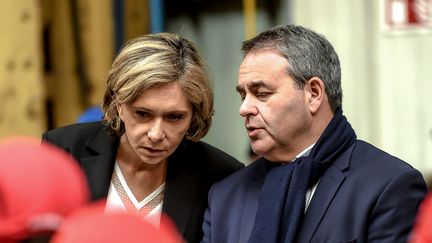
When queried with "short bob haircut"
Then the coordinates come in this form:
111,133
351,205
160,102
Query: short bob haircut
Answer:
156,60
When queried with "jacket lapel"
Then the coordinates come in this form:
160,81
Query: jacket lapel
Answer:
328,186
250,204
181,190
250,208
98,163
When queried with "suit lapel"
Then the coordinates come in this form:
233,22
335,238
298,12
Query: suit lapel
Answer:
181,190
327,188
251,200
98,163
98,174
250,208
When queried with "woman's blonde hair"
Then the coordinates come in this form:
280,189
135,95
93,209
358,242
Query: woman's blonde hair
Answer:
155,60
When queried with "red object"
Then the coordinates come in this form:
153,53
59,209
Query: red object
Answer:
92,225
404,14
39,186
412,12
422,232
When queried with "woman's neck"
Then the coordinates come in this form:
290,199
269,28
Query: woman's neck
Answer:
142,178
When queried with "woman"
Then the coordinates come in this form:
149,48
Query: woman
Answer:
145,155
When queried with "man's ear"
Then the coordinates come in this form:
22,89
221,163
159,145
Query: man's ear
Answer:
316,93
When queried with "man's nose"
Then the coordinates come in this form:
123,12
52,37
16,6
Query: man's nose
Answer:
248,107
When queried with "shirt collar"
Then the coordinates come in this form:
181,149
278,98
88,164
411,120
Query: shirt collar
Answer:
305,152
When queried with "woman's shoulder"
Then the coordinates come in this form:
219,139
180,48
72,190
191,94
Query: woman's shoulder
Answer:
204,155
75,133
77,127
206,150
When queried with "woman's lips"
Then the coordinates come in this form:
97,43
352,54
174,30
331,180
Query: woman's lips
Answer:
153,151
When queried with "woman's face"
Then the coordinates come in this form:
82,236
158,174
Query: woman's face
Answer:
155,123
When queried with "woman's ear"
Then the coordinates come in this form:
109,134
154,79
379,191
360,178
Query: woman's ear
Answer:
120,111
317,93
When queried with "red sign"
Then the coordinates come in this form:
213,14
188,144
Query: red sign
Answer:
407,14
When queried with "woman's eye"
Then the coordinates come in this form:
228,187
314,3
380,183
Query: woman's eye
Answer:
141,114
175,117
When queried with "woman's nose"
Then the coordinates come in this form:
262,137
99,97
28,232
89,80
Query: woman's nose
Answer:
156,132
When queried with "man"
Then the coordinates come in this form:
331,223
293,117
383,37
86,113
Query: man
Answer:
315,182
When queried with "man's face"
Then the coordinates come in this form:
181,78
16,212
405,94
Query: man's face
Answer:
275,109
155,123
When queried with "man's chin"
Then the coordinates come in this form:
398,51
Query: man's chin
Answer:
258,150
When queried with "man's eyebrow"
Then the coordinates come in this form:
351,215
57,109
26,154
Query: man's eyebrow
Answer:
253,85
239,88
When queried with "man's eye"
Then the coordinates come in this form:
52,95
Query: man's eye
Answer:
242,96
263,94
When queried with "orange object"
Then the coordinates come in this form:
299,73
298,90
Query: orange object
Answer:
249,12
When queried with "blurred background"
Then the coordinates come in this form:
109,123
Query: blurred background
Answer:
55,56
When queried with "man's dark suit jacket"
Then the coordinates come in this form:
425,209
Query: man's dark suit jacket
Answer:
191,170
366,195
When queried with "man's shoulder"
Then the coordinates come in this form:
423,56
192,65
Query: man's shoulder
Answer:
369,163
367,154
241,178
